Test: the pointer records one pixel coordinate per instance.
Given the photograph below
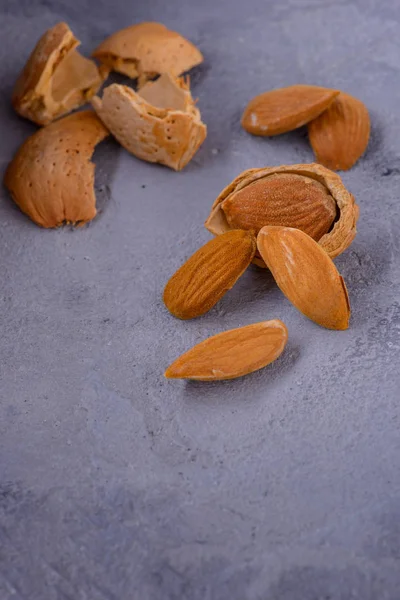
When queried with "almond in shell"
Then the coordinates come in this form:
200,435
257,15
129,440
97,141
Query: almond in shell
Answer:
232,353
51,177
56,79
284,109
339,136
207,275
148,49
306,275
160,123
309,197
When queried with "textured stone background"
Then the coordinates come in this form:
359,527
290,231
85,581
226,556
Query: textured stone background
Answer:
116,484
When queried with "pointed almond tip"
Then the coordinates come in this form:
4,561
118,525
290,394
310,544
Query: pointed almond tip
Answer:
169,373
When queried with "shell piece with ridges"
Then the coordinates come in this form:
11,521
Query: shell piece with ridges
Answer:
306,275
56,79
335,241
339,136
148,49
160,123
208,274
232,353
285,109
51,177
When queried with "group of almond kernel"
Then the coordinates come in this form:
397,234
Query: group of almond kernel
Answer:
292,219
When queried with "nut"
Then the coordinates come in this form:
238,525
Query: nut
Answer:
56,79
160,123
284,109
340,135
232,353
51,177
146,50
207,275
306,275
282,199
288,206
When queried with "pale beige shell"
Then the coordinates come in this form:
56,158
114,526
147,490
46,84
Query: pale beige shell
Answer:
51,177
335,241
56,79
148,49
160,123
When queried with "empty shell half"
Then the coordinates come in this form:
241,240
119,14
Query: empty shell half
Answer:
159,124
146,50
300,196
51,177
56,79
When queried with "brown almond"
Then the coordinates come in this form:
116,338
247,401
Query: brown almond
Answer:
284,109
282,199
306,275
203,279
338,237
51,177
339,136
232,353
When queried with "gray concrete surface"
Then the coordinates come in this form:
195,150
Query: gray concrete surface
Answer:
116,484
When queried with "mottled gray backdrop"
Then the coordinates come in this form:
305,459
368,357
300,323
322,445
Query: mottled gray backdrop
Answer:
116,484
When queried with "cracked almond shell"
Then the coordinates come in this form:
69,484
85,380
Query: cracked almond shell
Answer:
232,353
56,79
285,109
334,242
339,136
159,124
51,177
306,275
146,50
208,274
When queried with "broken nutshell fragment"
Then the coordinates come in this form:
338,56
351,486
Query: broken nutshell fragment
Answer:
56,79
285,109
232,353
339,136
307,197
159,124
146,50
51,177
306,275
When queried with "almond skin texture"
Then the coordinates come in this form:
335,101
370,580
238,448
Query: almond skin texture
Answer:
285,109
160,123
339,137
282,199
306,275
203,279
337,238
232,353
51,177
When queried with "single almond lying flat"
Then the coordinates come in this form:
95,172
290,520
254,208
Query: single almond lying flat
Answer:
146,50
160,123
51,177
284,109
207,275
56,79
252,201
232,353
306,275
340,135
282,199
